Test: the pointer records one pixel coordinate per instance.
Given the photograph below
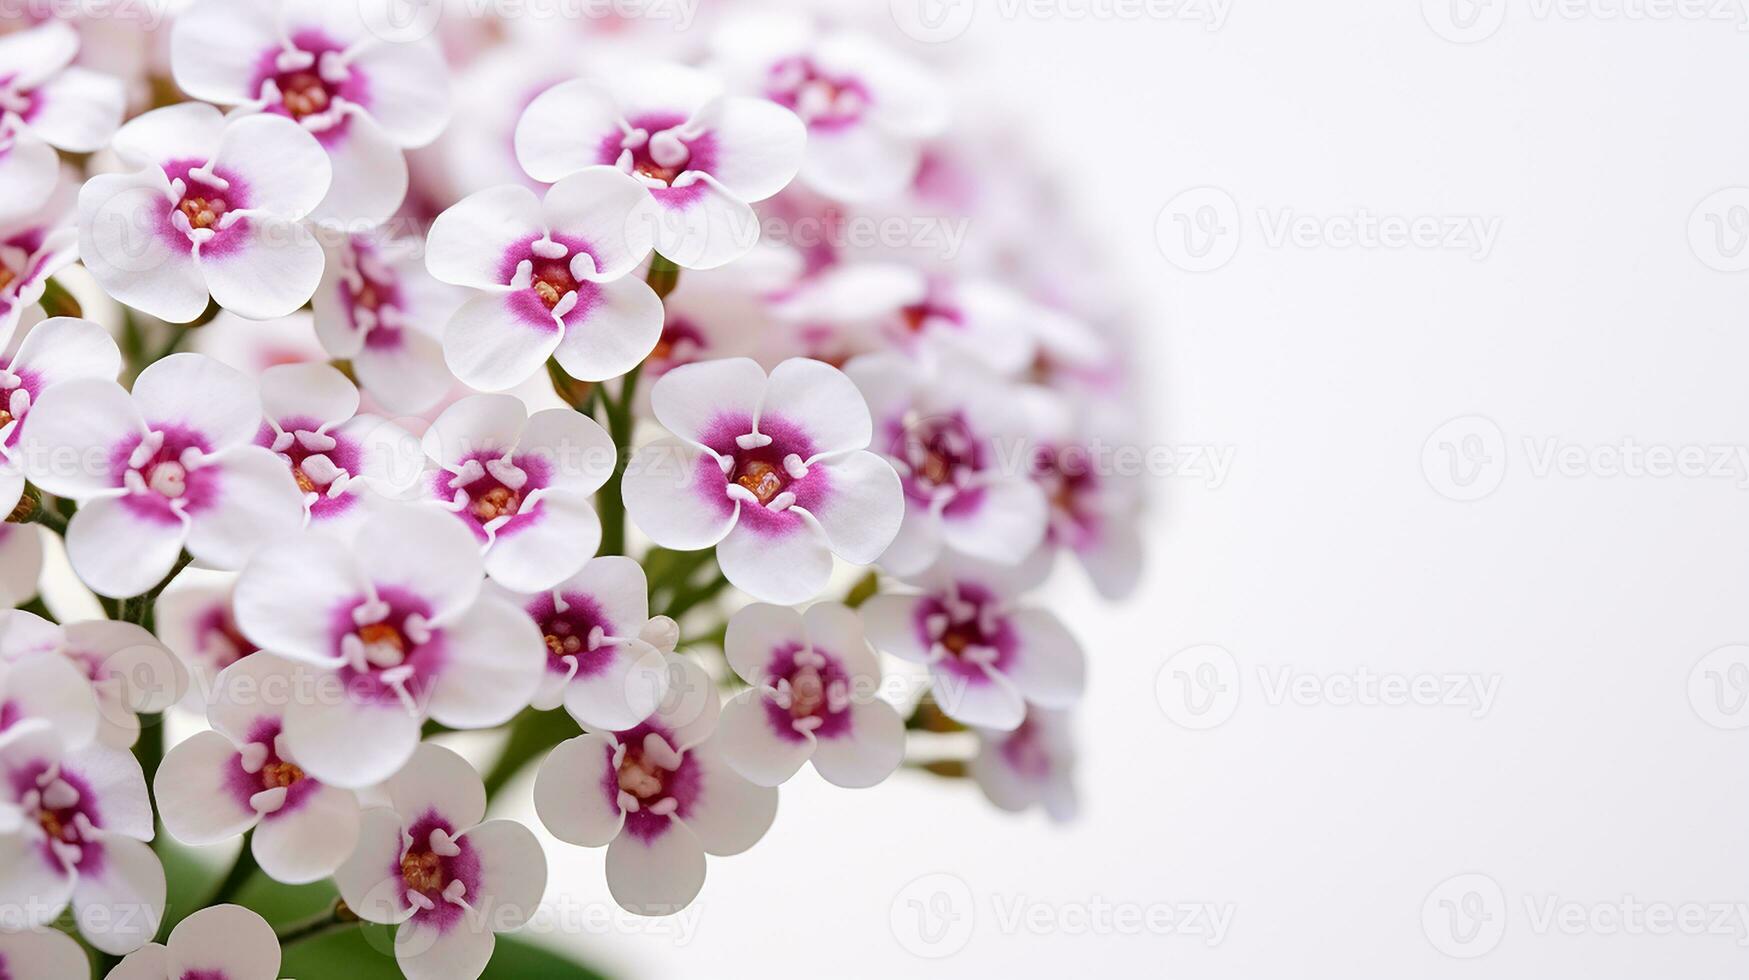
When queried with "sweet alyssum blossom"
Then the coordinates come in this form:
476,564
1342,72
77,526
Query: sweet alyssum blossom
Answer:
244,775
988,656
869,111
551,278
773,472
34,247
659,795
127,670
55,350
221,942
211,209
396,630
813,696
172,465
428,864
963,453
521,484
601,664
335,455
703,157
318,63
48,103
75,832
41,954
378,308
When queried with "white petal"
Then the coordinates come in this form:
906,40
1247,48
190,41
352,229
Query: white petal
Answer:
368,881
710,229
50,688
426,551
862,508
634,683
424,953
561,131
666,88
759,147
45,955
31,884
578,451
894,626
614,335
149,962
255,505
674,492
439,781
119,909
513,873
79,110
690,708
820,400
289,592
70,433
860,163
606,209
918,543
659,876
184,131
493,661
31,56
559,537
866,754
370,175
491,345
309,842
390,459
349,743
730,814
783,559
754,746
408,377
468,242
1004,526
140,672
273,269
474,426
576,792
216,48
121,241
224,941
117,552
21,557
618,586
28,171
987,701
1049,667
695,401
286,171
317,392
197,391
754,635
64,348
193,792
404,98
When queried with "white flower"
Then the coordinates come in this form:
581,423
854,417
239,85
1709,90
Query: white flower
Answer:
38,684
961,444
126,669
773,473
171,466
551,279
988,656
521,484
77,833
334,454
1095,509
253,346
428,864
397,629
317,63
222,942
378,308
56,350
813,697
34,247
212,208
659,795
244,775
41,955
21,563
46,103
196,620
868,110
1031,765
704,157
598,664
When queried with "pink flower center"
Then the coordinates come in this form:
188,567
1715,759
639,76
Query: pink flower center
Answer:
806,691
819,98
937,453
552,281
304,93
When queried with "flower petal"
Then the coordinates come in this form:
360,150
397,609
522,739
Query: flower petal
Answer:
490,343
424,952
1049,668
370,175
226,941
365,880
755,633
708,228
730,814
216,46
409,376
1005,524
403,99
513,874
122,242
119,907
561,131
64,348
759,147
864,507
659,875
820,400
561,535
69,434
347,742
866,754
317,392
184,131
475,426
753,746
192,789
493,661
119,553
576,791
785,561
694,400
468,242
627,691
605,208
273,270
988,701
78,110
892,624
46,955
578,451
286,170
197,391
615,334
308,843
256,504
290,591
426,551
673,491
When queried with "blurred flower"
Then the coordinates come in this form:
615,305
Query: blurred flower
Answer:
41,955
1029,766
378,308
33,247
224,942
128,672
772,472
21,562
53,351
47,103
813,697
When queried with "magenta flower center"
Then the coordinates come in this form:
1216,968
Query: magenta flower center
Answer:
807,691
818,97
579,638
937,453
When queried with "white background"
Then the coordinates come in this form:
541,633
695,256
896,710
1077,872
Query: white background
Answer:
1589,598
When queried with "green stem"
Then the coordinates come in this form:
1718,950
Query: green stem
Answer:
619,428
688,599
56,301
38,607
242,870
864,590
530,734
150,748
338,918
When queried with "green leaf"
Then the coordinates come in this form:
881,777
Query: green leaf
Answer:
368,953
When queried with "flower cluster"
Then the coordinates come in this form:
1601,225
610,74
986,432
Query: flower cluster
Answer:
581,412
